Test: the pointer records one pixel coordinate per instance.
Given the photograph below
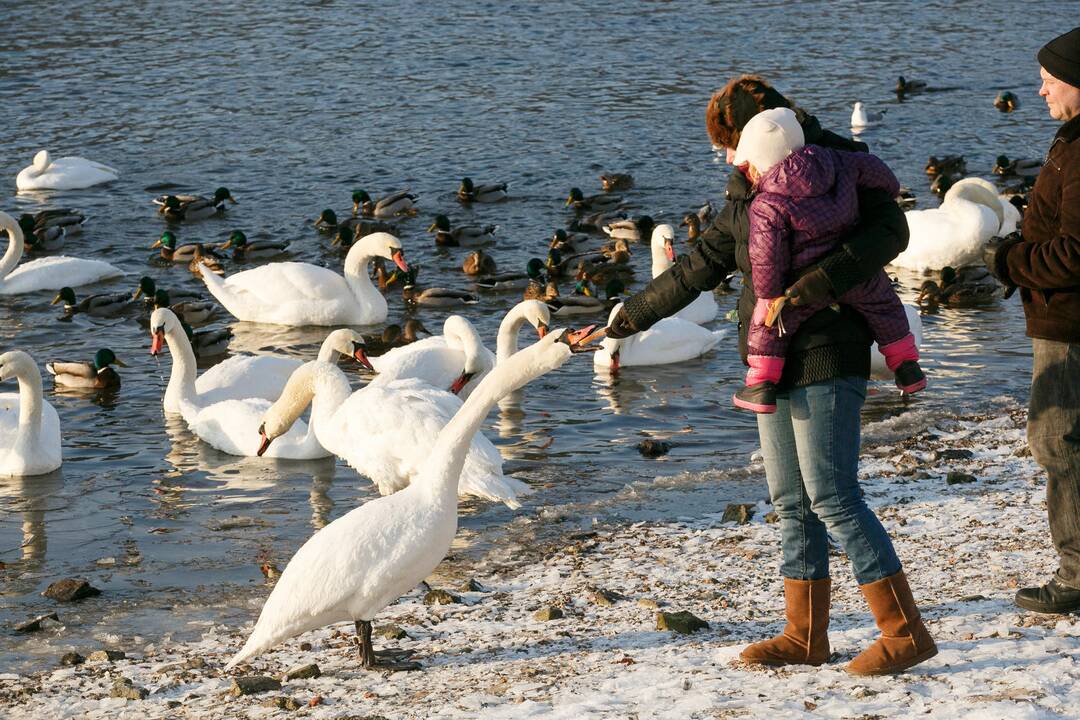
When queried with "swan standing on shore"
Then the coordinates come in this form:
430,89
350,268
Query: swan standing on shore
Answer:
363,561
29,426
704,308
47,273
669,341
66,173
385,432
295,293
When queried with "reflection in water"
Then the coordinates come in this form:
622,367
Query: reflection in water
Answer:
319,499
31,497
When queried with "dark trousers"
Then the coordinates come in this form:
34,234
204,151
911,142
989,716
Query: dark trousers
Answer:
1054,436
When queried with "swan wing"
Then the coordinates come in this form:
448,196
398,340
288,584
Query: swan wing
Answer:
288,293
953,234
43,456
52,273
246,376
66,173
429,360
702,310
232,426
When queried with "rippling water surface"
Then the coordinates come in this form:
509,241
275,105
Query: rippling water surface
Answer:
292,106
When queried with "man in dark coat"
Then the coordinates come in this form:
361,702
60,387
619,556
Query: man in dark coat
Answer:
1043,260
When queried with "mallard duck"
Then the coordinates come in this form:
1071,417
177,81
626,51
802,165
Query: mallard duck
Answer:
96,374
46,229
436,296
469,192
261,249
1018,195
193,312
595,222
907,87
397,203
1016,168
171,252
563,305
393,336
637,229
610,182
970,286
619,252
582,203
942,183
193,207
1006,101
148,291
534,273
204,257
43,240
479,262
208,343
947,165
566,243
906,198
692,223
103,304
463,235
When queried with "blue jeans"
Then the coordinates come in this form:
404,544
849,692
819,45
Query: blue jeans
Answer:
811,450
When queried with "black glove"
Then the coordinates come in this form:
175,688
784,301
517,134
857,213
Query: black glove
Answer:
813,288
995,256
621,327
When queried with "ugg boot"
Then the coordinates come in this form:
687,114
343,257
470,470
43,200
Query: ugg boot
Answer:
805,640
904,640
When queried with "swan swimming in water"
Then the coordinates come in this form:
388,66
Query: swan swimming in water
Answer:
363,561
669,341
29,425
296,293
703,309
47,273
66,173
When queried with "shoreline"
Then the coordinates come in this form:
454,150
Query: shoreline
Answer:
966,547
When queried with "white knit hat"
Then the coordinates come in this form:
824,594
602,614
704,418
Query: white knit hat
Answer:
769,137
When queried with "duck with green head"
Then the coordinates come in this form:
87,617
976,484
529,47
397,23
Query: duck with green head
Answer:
47,229
148,290
171,252
194,312
1017,167
97,374
179,208
103,304
258,250
435,296
591,203
469,192
392,205
208,343
461,235
534,273
1006,101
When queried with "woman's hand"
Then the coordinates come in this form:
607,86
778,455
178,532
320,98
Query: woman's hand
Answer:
813,288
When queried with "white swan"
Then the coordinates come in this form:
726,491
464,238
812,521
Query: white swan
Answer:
66,173
703,309
237,378
366,559
878,369
385,431
456,360
955,233
295,293
29,426
47,273
232,426
669,341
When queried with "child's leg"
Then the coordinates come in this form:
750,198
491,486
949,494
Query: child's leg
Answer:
876,301
767,346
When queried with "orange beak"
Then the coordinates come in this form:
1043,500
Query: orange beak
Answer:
541,330
362,358
157,339
462,380
264,442
399,260
580,338
669,249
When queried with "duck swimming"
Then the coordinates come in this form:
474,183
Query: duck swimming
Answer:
171,252
610,182
394,336
65,173
946,165
396,203
582,203
908,87
1006,101
1016,167
492,192
435,296
46,229
179,208
479,262
97,374
462,235
534,274
258,250
47,273
971,286
101,305
637,229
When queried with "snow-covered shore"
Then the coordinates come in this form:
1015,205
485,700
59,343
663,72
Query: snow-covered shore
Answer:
967,544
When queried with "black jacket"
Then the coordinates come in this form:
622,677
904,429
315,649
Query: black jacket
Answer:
829,344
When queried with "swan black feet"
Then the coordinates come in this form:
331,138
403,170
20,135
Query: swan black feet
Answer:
390,659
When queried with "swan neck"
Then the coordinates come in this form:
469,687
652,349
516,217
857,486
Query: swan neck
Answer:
357,278
181,386
328,390
506,343
15,246
30,403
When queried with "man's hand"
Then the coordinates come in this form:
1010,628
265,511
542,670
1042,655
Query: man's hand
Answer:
621,327
995,256
813,288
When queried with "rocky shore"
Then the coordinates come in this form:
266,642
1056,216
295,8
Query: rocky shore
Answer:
646,619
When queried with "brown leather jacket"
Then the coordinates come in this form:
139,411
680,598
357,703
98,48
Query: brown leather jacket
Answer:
1046,265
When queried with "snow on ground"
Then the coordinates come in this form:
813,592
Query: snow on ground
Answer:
966,547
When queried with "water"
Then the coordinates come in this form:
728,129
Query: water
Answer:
292,107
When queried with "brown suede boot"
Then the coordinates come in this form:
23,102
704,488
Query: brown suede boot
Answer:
805,640
904,640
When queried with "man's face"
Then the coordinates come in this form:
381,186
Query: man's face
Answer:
1062,98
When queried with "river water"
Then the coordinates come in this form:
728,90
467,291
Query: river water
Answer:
293,105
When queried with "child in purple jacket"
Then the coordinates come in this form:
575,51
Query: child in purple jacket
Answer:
805,201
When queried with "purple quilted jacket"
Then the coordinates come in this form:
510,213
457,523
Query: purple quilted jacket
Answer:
802,208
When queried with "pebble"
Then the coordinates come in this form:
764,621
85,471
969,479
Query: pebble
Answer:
682,622
648,604
253,684
772,517
72,658
954,454
305,647
34,624
392,632
602,597
302,672
440,597
549,612
956,478
281,702
70,589
106,656
739,513
123,688
471,585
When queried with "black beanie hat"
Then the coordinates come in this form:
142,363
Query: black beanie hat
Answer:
1061,57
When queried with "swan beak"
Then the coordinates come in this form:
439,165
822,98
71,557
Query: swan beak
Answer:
669,249
398,257
580,339
56,299
361,357
117,361
461,382
157,244
264,442
542,330
158,339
